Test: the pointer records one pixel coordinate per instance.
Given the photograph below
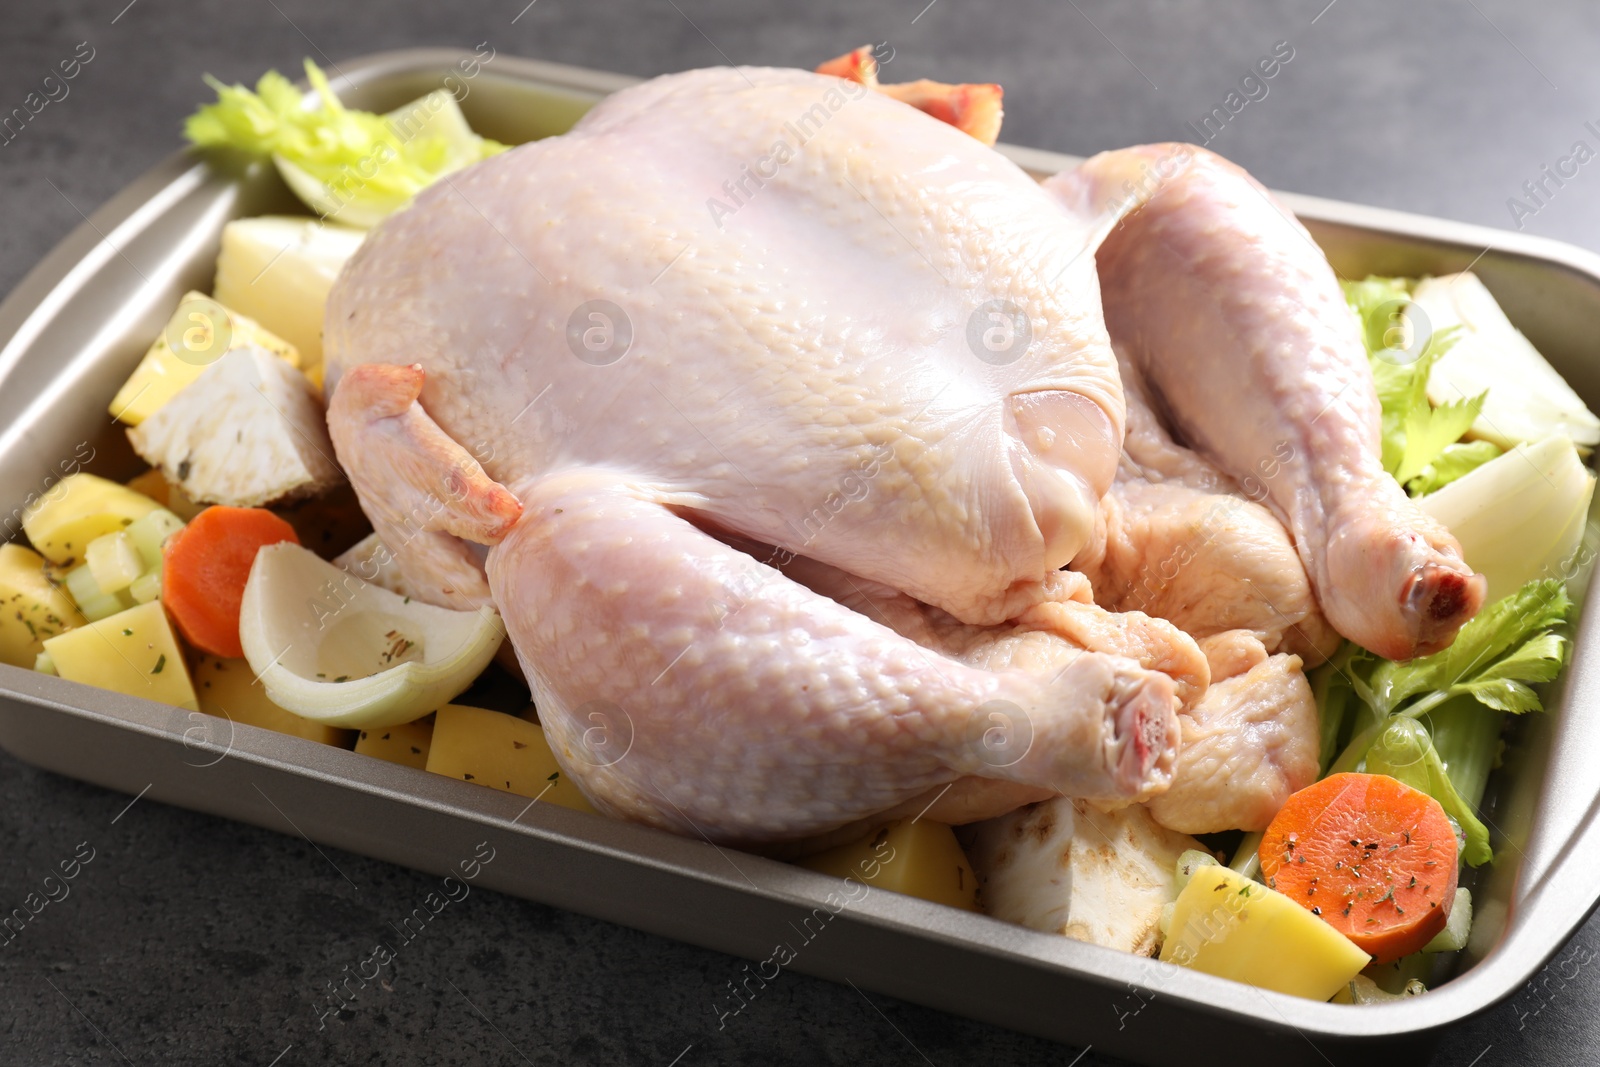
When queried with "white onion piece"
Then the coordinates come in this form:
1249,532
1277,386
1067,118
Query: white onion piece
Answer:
1521,515
306,624
1528,399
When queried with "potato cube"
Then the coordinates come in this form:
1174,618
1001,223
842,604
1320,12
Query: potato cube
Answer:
917,857
405,744
114,561
76,510
133,652
227,688
279,269
500,751
1227,925
32,608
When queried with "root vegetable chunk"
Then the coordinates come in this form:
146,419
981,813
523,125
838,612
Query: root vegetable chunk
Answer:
32,608
407,744
918,857
200,330
1375,858
279,269
1065,867
1225,924
228,689
205,567
78,509
133,652
249,431
502,752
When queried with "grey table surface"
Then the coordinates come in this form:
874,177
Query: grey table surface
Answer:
190,939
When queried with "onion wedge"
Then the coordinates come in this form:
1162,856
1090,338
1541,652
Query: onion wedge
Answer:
333,648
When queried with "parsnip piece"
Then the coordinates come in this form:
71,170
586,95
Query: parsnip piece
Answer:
1521,515
1065,867
278,269
1528,399
249,431
199,333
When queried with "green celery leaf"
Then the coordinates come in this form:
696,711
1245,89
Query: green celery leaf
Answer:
1430,430
1463,457
330,142
1414,433
1374,299
1502,694
1537,660
1518,620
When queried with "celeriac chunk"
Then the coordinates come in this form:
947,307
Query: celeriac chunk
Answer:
199,333
1065,867
249,431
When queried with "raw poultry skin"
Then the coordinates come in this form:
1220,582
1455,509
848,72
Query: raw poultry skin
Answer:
1248,744
1183,541
809,347
1216,293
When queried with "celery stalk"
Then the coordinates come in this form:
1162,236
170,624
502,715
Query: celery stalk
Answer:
1333,696
1467,737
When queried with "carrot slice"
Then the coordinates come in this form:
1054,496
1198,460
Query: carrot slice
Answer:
204,568
1371,855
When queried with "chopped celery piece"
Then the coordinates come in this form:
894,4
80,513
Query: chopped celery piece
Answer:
1247,858
1363,990
1191,859
151,532
86,593
147,586
1453,938
44,664
113,561
1467,737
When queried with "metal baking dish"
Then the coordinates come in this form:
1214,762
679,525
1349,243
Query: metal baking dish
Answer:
74,328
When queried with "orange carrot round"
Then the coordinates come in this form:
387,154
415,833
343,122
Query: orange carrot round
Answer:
1371,855
204,568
